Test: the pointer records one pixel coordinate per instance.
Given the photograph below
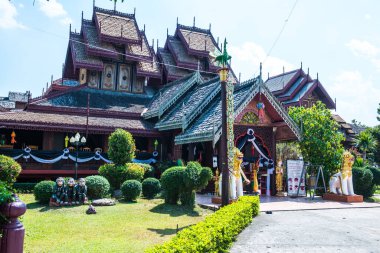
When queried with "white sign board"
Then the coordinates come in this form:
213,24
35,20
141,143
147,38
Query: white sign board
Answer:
296,181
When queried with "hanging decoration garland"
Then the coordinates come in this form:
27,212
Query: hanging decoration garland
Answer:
26,154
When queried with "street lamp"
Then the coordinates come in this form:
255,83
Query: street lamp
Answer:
77,141
225,139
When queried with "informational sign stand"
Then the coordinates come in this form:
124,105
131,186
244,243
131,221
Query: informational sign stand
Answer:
296,178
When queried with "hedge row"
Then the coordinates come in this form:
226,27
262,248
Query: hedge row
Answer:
24,187
217,232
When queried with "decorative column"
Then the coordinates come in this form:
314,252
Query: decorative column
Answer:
13,231
226,140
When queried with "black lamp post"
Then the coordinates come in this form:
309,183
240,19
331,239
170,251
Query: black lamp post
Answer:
77,141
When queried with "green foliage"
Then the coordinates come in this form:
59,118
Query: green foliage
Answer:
171,182
121,147
163,166
359,162
151,187
378,113
43,191
321,141
217,232
180,183
376,135
363,182
376,174
287,151
366,142
148,170
134,172
117,174
97,187
6,195
131,190
9,170
24,187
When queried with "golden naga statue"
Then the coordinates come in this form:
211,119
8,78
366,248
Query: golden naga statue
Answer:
341,182
255,169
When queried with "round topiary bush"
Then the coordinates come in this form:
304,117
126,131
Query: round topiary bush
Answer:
131,190
9,170
121,147
97,187
43,191
151,187
363,182
376,175
134,171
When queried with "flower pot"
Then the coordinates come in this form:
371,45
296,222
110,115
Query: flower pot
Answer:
13,231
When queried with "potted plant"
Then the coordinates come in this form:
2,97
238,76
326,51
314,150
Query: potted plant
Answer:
12,231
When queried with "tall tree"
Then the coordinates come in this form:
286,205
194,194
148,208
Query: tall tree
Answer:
378,113
321,140
366,142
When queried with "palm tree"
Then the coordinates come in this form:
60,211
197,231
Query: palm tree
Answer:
366,143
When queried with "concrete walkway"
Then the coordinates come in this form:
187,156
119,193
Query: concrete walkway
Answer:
335,230
291,204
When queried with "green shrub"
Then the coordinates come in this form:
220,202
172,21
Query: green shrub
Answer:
195,177
182,182
97,187
148,170
9,170
217,232
24,187
6,195
121,147
151,187
376,175
134,171
363,182
115,174
131,190
171,182
359,162
43,191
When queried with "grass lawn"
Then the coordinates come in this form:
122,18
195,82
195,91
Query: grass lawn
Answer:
125,227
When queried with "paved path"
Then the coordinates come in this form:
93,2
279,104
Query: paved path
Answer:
292,204
336,230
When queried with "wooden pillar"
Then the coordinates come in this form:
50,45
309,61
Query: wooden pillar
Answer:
273,176
150,148
191,152
177,152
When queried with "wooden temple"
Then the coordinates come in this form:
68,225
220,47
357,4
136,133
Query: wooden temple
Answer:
168,99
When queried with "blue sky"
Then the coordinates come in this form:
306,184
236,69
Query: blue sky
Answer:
338,39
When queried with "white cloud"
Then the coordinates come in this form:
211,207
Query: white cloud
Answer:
66,21
357,97
54,9
367,16
8,15
246,59
21,5
363,48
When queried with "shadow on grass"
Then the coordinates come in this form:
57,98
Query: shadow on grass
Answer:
174,210
44,208
167,231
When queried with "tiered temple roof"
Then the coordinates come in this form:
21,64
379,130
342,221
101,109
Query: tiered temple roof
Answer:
188,50
296,88
197,111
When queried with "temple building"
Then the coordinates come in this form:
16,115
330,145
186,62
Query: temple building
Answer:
168,98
